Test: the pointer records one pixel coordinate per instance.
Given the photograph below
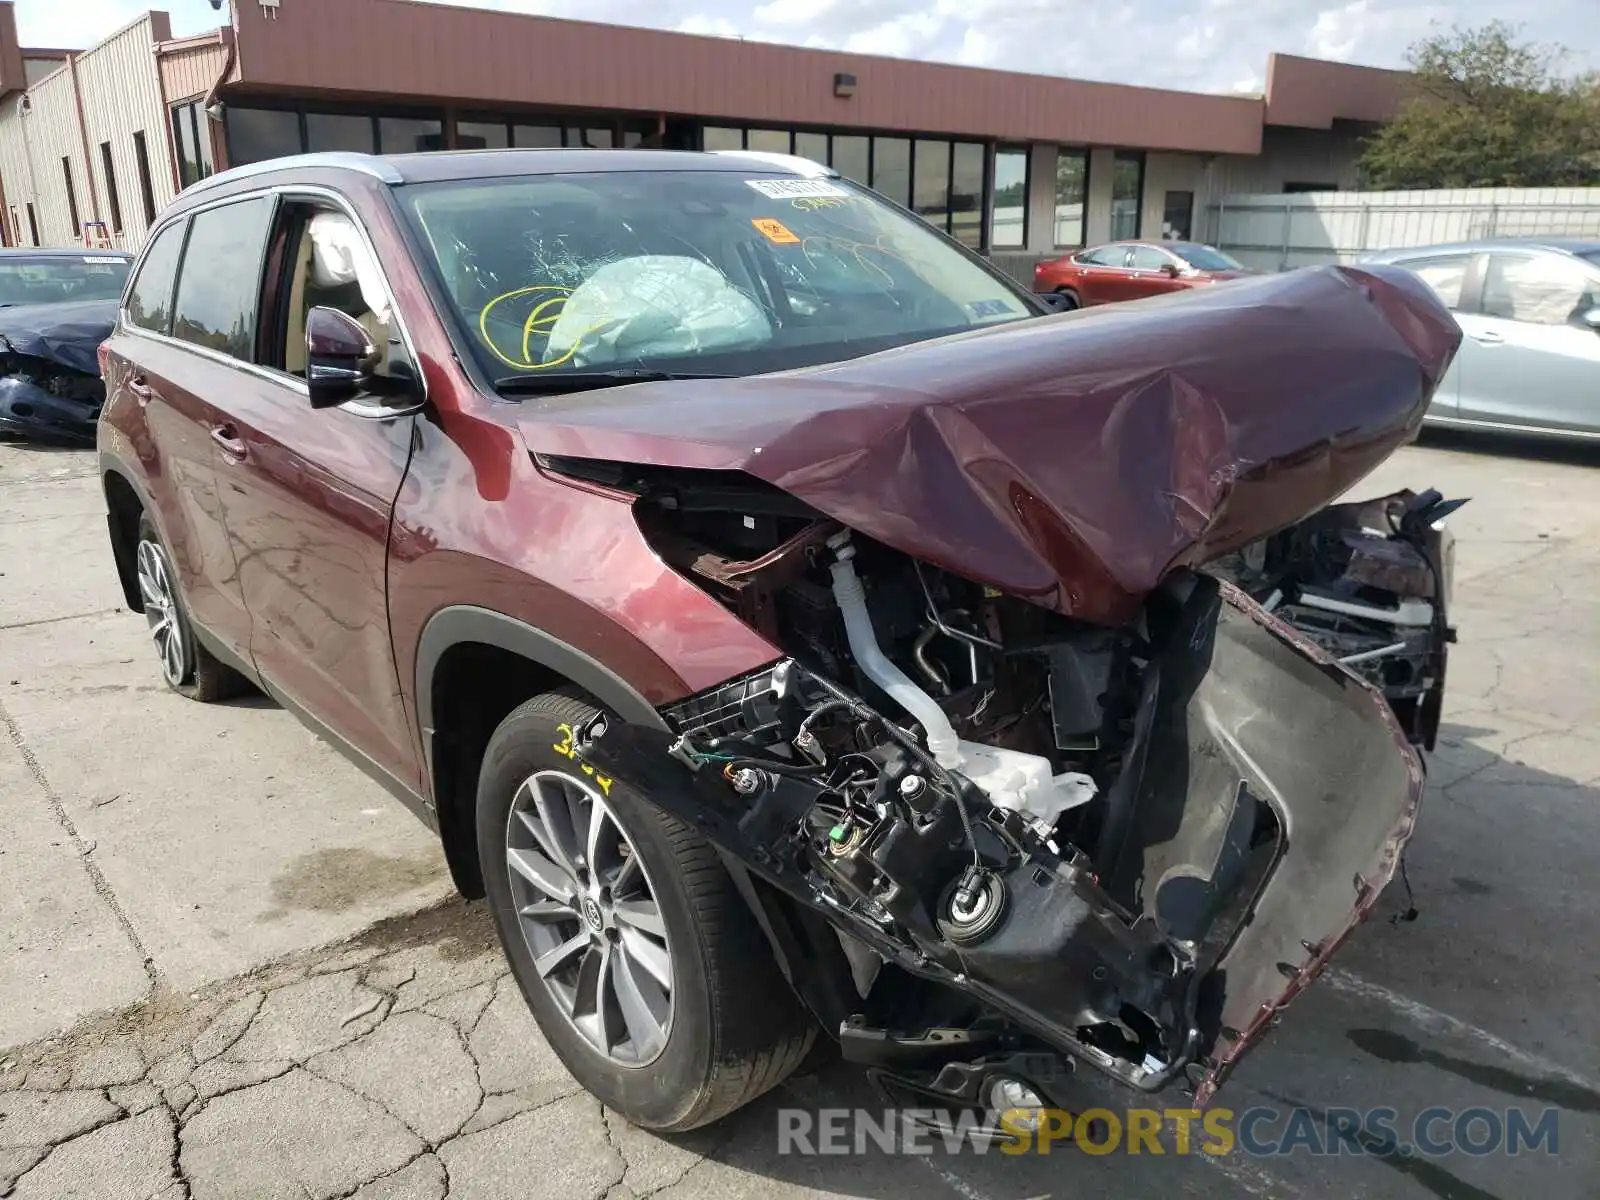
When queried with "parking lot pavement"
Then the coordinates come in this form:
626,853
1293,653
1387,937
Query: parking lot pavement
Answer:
403,1064
146,839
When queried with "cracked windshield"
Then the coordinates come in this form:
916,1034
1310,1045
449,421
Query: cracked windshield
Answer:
693,271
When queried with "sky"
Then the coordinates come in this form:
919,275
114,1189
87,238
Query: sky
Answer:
1195,45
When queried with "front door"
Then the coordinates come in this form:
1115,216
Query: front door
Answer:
1150,273
309,497
1533,360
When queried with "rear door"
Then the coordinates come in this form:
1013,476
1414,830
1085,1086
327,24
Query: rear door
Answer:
1533,361
171,368
308,496
1456,280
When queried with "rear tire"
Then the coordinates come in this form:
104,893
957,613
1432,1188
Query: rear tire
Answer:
727,1025
1069,298
188,667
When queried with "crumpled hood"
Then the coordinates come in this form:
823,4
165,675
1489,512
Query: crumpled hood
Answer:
68,334
1072,460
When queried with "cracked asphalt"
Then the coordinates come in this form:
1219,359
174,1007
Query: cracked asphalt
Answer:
230,966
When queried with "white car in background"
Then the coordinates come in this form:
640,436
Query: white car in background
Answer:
1530,310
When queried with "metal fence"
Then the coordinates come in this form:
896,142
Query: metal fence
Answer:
1273,232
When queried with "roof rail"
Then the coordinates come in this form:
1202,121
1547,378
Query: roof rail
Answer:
367,164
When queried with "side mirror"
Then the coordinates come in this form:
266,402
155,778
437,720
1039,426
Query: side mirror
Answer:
1592,319
1171,270
341,360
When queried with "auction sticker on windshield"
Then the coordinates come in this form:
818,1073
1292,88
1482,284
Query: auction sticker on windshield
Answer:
775,231
788,189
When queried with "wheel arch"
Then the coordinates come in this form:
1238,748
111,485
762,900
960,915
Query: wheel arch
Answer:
505,661
126,501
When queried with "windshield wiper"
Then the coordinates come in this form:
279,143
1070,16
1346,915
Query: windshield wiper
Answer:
552,382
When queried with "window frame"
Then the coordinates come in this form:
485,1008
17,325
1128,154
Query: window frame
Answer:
1026,152
1088,166
276,192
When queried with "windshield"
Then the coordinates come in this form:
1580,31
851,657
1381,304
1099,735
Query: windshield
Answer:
1204,258
51,280
695,272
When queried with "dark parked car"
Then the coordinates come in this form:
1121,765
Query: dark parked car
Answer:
1133,270
786,624
56,307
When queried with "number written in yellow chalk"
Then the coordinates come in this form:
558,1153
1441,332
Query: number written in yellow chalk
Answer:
566,749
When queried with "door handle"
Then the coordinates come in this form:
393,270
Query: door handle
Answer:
228,440
1488,338
140,387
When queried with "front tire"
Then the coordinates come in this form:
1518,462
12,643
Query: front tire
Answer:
1069,299
639,959
187,667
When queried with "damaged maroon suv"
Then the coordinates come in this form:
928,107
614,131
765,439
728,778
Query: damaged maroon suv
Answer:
791,628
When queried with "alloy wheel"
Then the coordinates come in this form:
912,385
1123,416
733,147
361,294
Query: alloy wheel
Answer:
589,916
161,611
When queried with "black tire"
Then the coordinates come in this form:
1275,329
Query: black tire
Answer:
1069,299
202,676
737,1029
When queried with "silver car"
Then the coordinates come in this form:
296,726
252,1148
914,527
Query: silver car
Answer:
1530,310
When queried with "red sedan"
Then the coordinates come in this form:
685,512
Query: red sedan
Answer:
1131,270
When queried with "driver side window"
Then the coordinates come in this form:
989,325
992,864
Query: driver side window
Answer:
321,260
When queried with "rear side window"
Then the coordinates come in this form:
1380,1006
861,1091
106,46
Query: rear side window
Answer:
1106,256
220,288
150,301
1445,274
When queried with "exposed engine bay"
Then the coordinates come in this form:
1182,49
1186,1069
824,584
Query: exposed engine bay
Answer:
1081,832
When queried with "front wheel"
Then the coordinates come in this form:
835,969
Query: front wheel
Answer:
639,959
1069,299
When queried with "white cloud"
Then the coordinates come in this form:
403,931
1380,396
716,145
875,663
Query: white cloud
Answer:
1209,45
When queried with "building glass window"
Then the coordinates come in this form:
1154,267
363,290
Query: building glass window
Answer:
594,138
113,197
147,191
482,135
1127,193
255,134
768,141
1008,226
1072,191
852,157
408,135
891,169
535,137
192,135
966,193
716,137
339,131
930,185
813,146
72,197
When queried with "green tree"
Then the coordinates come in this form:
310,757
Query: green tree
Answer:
1485,109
